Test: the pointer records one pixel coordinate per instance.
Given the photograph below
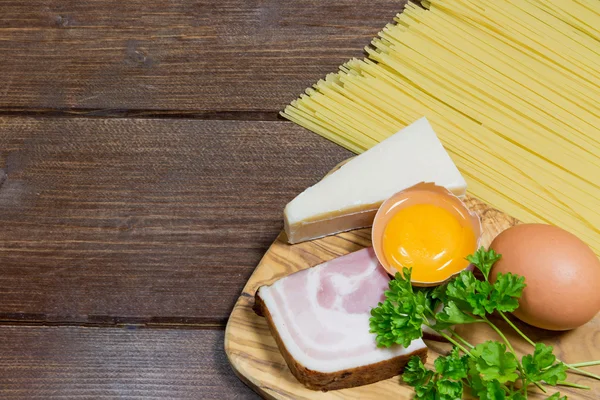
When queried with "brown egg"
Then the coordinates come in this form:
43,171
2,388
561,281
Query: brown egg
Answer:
561,272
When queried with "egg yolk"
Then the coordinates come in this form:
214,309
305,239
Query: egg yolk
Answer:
430,240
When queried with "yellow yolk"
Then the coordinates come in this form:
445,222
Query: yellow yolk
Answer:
430,240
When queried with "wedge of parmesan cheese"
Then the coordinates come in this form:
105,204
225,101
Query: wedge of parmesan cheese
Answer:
350,197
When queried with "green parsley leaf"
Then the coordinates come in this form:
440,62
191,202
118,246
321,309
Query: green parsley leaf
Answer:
459,289
478,386
400,287
494,363
399,318
415,372
426,392
429,385
541,366
470,294
395,323
489,366
452,366
430,294
542,356
479,300
517,396
447,389
485,390
452,315
484,260
422,302
508,288
439,293
494,391
481,297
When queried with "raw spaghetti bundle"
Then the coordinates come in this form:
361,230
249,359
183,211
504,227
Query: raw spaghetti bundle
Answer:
511,87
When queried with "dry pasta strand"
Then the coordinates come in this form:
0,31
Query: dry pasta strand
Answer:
511,88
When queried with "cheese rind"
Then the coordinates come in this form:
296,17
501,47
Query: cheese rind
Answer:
318,228
349,197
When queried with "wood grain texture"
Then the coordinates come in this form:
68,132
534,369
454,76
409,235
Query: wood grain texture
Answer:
109,221
109,363
256,359
226,55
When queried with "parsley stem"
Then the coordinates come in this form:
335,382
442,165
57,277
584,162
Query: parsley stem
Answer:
445,336
461,339
585,364
573,385
572,367
512,350
430,311
499,332
525,385
454,342
509,322
540,387
581,371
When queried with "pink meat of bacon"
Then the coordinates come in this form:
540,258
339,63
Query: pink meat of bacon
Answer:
322,313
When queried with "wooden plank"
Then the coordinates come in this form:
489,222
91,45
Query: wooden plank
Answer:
92,363
225,55
143,220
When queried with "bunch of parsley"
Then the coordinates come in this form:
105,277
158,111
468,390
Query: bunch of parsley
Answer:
490,370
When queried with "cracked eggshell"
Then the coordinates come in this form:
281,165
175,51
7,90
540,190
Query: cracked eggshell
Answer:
422,193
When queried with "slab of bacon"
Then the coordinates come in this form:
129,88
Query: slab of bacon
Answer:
320,319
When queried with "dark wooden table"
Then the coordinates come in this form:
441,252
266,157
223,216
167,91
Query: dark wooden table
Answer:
143,172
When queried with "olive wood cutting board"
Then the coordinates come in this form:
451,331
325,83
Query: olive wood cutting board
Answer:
256,360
